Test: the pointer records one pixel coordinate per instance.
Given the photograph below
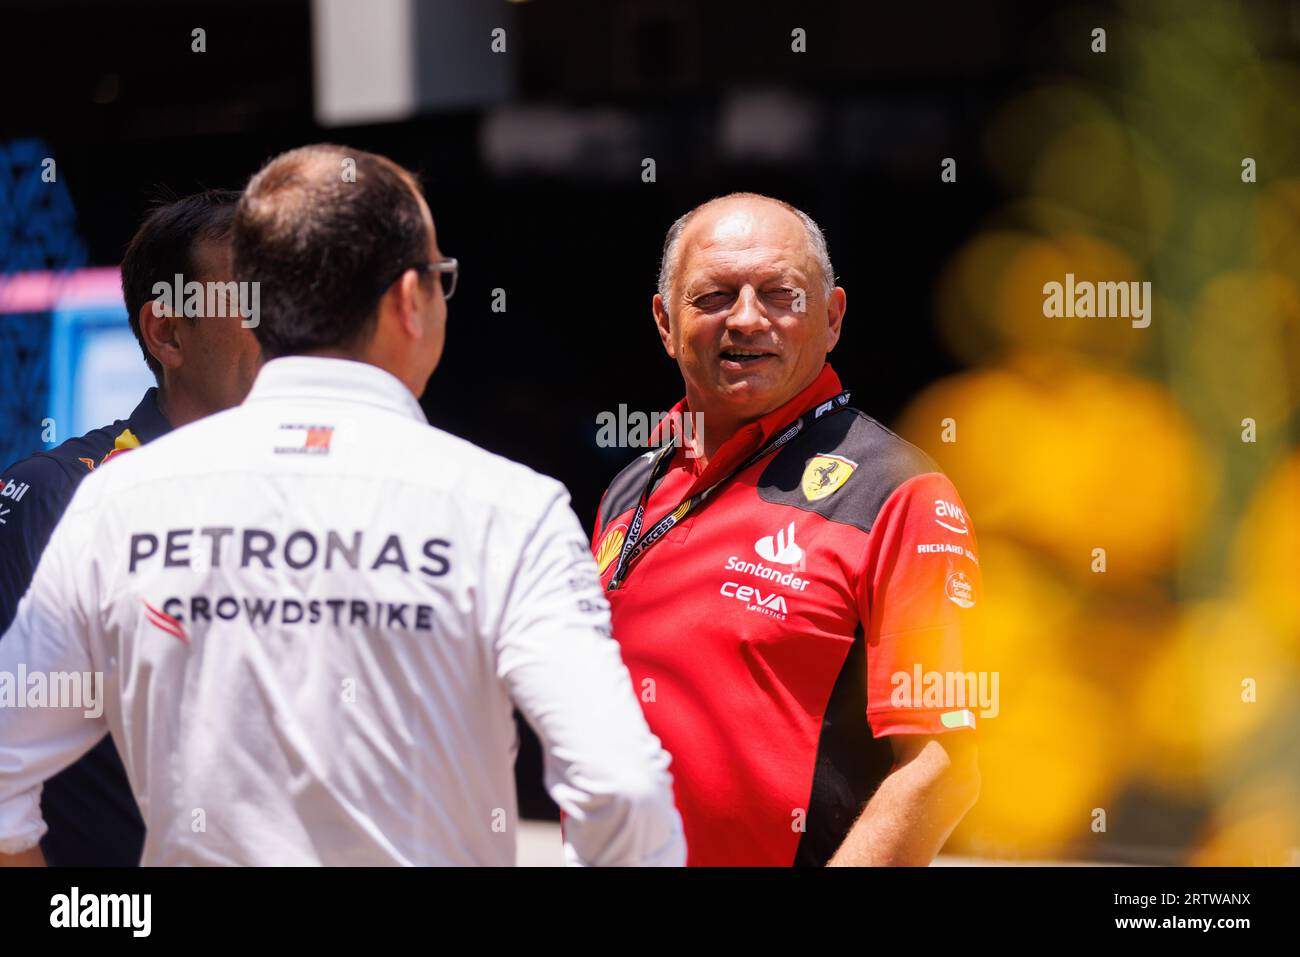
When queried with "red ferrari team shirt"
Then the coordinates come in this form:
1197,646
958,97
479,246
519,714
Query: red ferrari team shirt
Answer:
783,629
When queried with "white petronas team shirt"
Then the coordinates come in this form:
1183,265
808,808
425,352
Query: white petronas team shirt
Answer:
311,616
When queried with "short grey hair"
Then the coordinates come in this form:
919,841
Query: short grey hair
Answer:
816,242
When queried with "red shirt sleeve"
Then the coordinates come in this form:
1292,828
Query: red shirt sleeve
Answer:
919,588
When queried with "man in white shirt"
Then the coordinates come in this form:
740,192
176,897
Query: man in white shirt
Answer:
305,621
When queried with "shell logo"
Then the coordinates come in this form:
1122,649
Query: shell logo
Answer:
610,546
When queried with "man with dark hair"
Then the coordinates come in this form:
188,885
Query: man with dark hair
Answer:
323,253
203,365
325,611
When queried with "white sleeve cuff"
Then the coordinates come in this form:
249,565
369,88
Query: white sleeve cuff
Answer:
21,824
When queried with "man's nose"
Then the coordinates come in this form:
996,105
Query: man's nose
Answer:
748,315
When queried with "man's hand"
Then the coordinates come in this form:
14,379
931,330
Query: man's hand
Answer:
32,857
934,783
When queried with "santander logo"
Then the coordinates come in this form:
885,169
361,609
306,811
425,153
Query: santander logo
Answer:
780,548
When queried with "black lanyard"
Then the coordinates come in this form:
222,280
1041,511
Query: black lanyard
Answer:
634,547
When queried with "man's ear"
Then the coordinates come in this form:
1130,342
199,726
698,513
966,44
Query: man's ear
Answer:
835,306
408,302
663,324
159,330
400,305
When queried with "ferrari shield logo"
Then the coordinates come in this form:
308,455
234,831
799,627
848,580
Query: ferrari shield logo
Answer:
610,546
824,474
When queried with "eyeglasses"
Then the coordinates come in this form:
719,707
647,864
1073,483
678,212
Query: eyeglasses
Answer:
448,271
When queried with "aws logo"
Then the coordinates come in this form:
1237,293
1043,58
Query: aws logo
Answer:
953,513
610,546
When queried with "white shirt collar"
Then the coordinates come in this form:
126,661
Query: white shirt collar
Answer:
339,380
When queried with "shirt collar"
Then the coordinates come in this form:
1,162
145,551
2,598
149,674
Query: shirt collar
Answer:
147,422
751,437
340,380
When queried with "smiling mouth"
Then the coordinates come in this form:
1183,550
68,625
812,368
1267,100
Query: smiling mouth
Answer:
743,356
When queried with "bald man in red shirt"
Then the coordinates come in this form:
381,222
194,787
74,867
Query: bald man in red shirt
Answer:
783,575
